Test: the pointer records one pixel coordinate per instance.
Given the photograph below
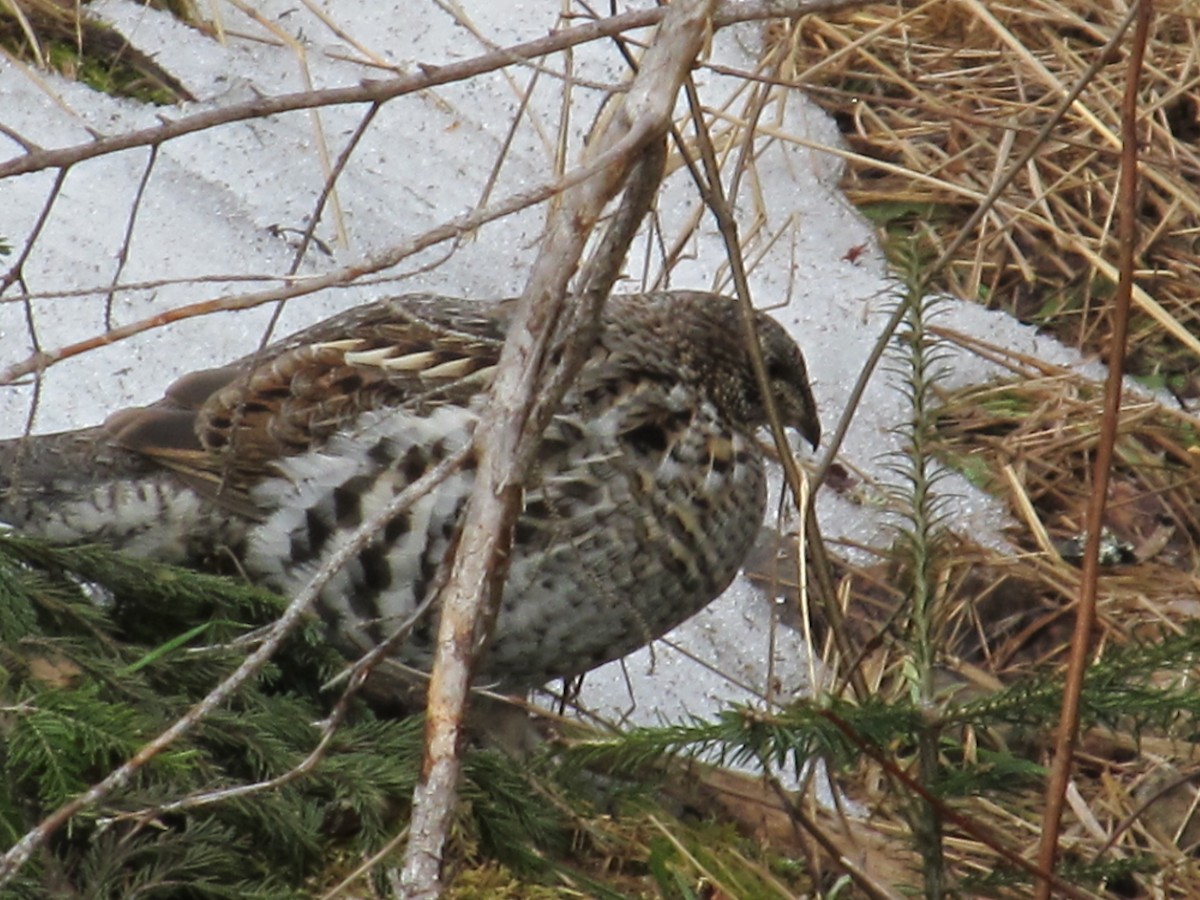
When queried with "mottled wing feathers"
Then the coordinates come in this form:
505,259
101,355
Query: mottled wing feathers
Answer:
224,428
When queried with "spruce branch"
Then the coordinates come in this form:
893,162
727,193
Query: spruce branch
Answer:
86,682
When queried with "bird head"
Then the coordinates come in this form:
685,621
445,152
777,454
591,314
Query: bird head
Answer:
787,378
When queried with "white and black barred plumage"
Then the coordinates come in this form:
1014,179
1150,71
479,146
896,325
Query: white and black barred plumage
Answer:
647,492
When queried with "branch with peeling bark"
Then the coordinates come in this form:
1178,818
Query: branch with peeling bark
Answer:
530,380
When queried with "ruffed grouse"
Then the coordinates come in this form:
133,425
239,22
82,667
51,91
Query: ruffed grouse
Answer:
647,493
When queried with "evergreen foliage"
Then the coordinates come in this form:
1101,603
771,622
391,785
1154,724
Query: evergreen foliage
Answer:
100,652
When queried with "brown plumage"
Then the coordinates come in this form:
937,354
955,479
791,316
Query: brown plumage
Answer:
646,495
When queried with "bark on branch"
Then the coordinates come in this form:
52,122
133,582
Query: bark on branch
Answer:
527,389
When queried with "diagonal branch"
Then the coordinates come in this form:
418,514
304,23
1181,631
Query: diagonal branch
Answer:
22,850
425,76
521,406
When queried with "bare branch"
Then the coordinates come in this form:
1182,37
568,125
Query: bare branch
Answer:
510,428
1082,639
36,159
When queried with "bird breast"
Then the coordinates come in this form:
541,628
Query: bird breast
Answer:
637,513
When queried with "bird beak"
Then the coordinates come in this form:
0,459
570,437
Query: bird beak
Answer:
803,417
809,427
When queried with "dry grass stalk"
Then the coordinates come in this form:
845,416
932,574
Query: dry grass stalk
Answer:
937,98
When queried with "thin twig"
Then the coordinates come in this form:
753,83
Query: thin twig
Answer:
426,77
16,271
1085,610
127,239
335,172
714,196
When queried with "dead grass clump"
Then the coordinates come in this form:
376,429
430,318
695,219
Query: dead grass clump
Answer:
1003,621
1031,439
938,99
